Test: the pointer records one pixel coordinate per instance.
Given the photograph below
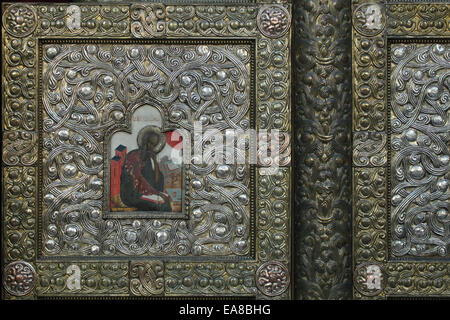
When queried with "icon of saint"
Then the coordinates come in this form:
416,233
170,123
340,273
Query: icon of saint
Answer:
142,182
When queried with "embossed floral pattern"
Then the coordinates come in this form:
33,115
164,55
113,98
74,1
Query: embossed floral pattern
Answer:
272,278
273,21
19,20
19,278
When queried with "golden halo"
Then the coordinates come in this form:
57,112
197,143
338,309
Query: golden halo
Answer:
145,132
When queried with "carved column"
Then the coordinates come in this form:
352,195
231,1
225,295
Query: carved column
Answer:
322,156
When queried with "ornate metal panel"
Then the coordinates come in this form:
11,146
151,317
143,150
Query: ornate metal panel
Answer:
73,74
216,204
401,63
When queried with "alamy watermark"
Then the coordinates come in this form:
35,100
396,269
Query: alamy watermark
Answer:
233,146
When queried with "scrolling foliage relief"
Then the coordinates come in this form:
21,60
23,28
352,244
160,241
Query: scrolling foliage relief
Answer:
88,89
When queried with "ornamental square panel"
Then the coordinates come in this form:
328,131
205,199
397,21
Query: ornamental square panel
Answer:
100,103
89,92
406,220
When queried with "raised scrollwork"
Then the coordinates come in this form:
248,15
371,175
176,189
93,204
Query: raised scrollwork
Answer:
413,19
272,84
215,21
369,55
19,278
272,278
72,76
83,20
420,95
369,149
19,213
418,279
19,148
279,155
273,20
193,279
90,90
148,20
19,20
370,217
95,278
19,83
147,278
273,219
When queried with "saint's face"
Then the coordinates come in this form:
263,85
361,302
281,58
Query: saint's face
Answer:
152,141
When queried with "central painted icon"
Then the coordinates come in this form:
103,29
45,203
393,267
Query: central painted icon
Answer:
146,168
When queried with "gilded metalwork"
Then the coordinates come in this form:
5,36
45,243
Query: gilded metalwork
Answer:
273,219
83,20
273,91
420,156
19,20
274,155
19,278
322,154
147,278
418,279
369,148
369,113
148,20
370,215
91,278
212,20
19,83
431,19
19,213
210,279
19,148
272,278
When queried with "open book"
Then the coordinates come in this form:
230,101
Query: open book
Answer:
154,198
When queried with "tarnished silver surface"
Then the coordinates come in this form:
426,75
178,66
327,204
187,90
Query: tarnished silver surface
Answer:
89,90
420,155
400,115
